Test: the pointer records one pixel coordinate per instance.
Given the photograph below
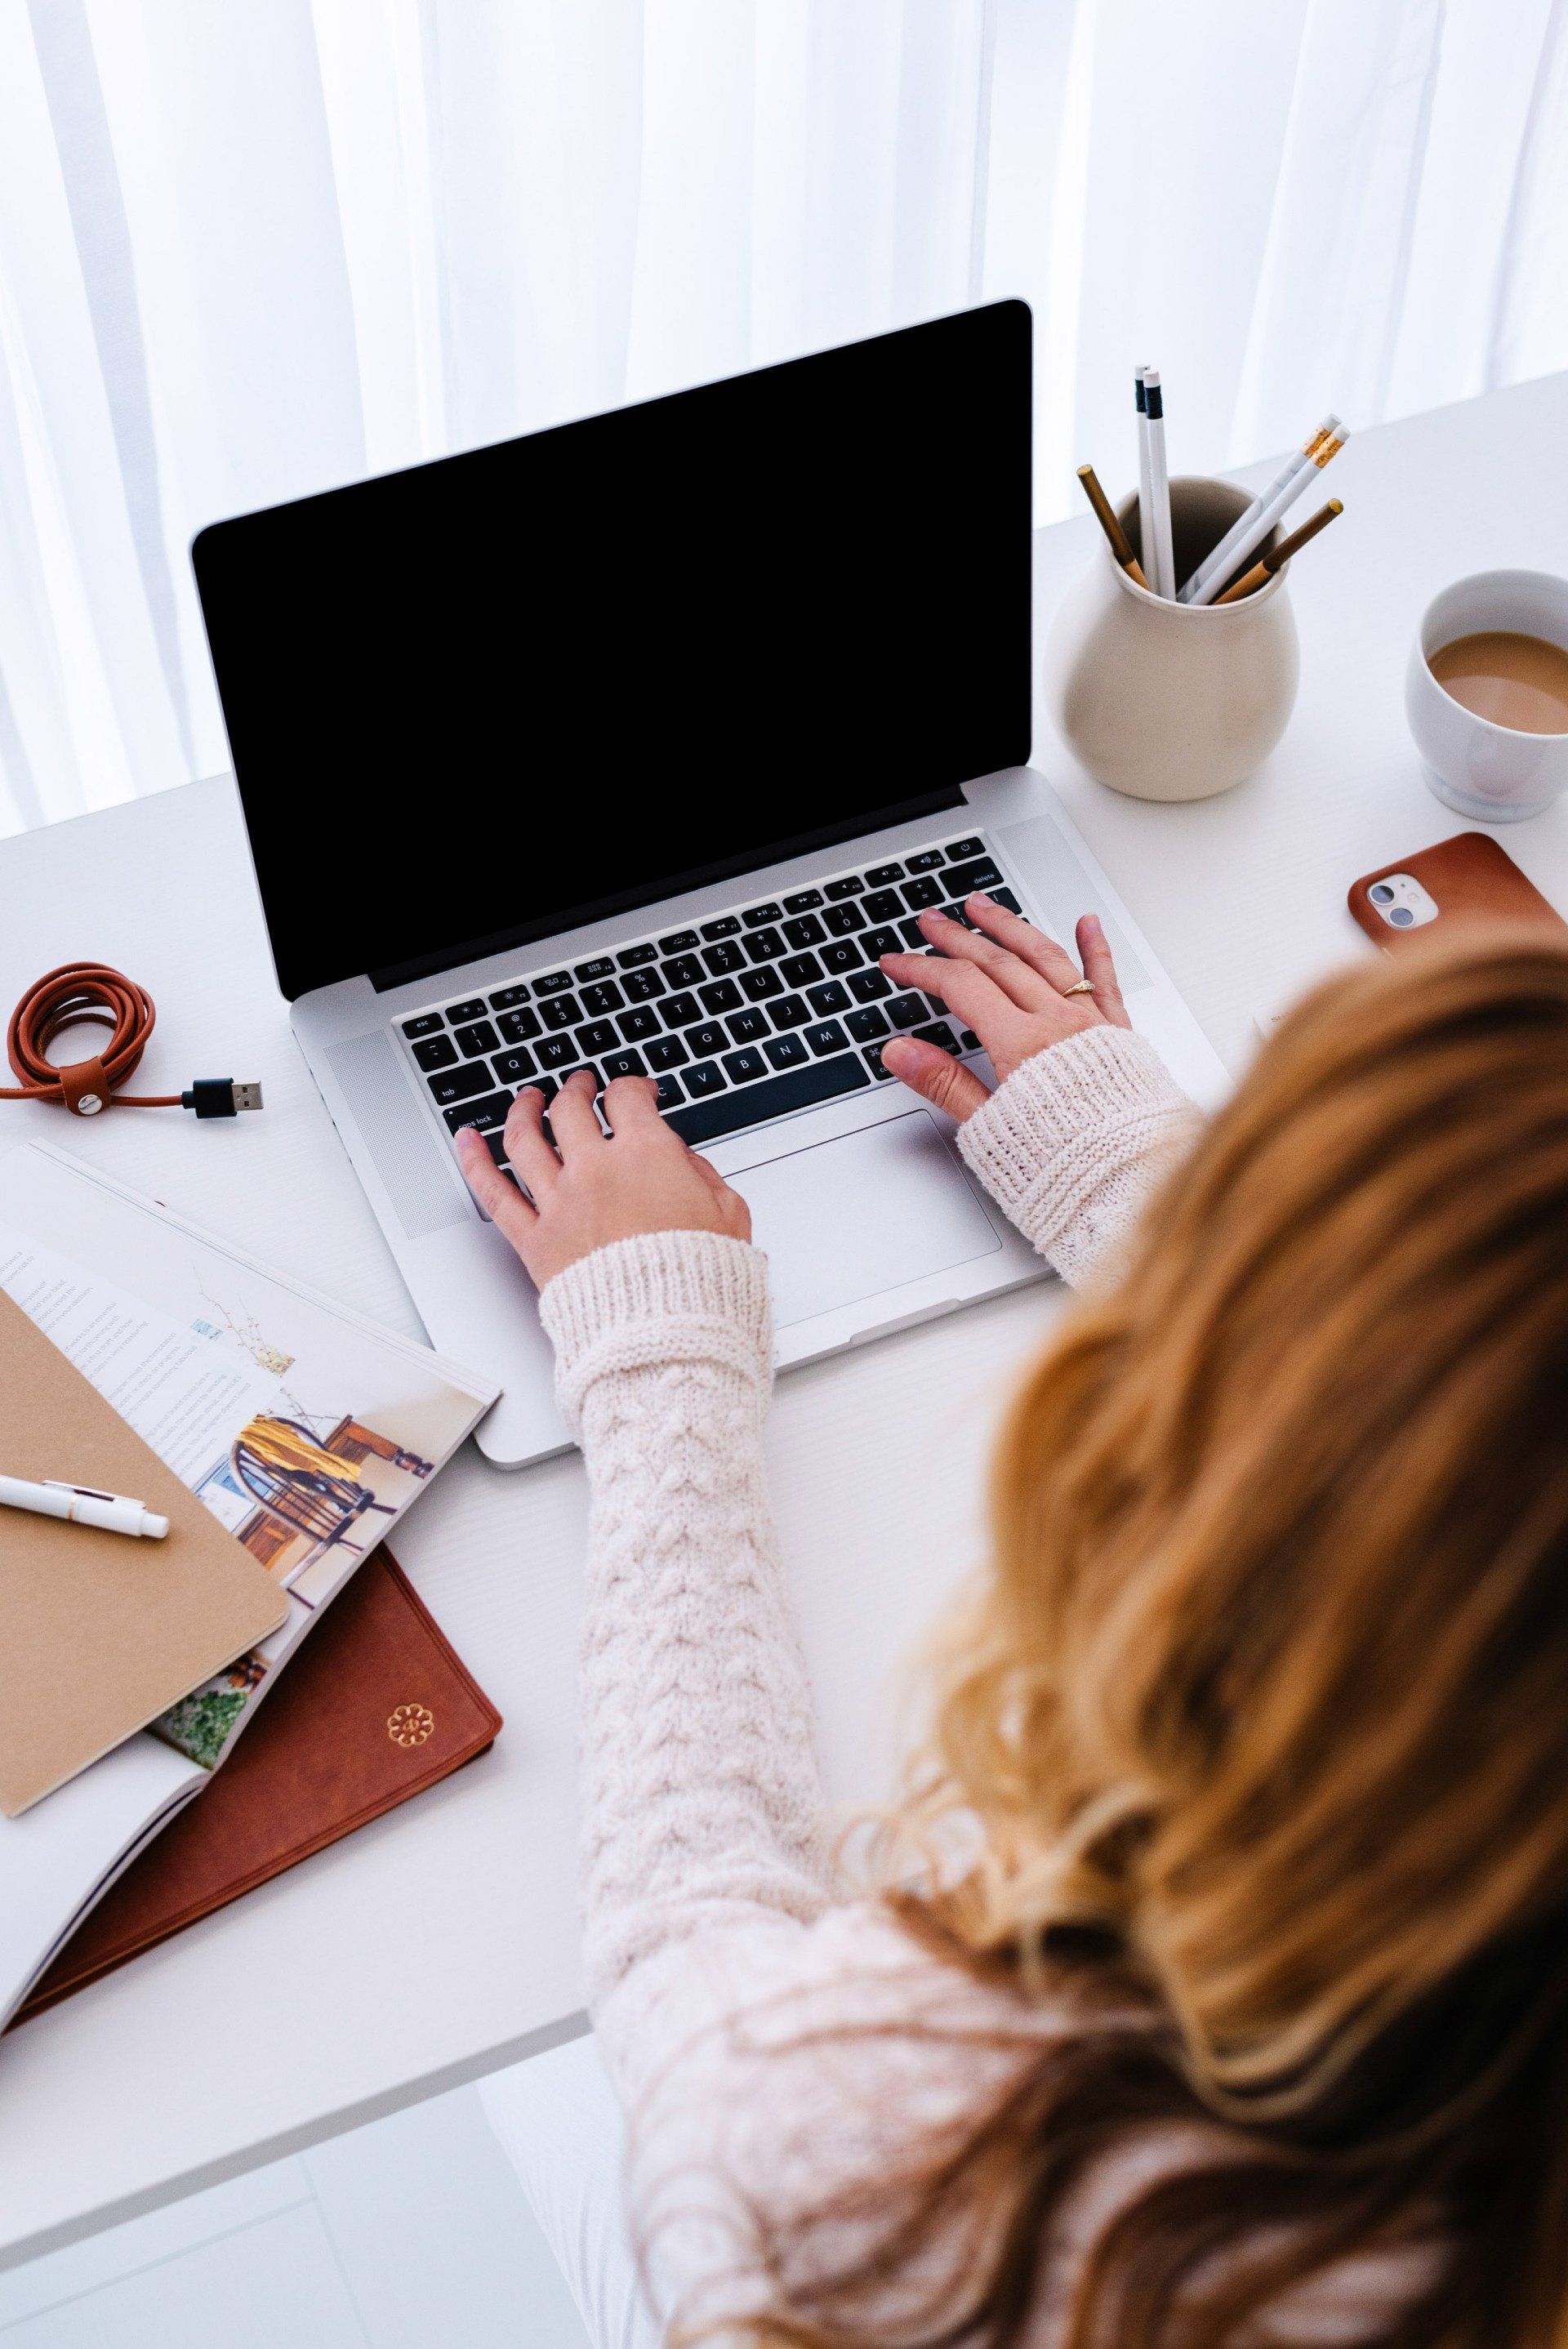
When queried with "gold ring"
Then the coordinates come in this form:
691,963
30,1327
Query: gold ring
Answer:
1079,987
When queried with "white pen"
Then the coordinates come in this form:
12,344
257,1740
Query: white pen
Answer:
1220,558
1253,537
1145,491
1162,572
84,1506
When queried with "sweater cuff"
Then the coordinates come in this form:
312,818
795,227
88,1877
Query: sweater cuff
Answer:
660,1298
1070,1146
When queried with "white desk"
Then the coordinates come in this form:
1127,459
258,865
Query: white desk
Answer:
441,1942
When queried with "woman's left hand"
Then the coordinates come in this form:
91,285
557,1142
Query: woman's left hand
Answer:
587,1188
1005,979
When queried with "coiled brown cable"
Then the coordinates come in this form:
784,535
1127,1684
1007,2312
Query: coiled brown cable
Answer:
76,992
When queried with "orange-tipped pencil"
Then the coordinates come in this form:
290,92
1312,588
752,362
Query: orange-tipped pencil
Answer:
1121,545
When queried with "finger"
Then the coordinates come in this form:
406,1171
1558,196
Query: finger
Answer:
630,1103
1099,964
1017,978
571,1118
531,1156
961,986
1030,944
710,1175
502,1202
935,1076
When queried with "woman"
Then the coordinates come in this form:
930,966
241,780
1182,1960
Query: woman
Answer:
1229,2002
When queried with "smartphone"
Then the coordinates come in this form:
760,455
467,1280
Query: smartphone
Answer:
1468,878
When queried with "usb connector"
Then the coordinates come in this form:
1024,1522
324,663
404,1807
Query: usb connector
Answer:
221,1097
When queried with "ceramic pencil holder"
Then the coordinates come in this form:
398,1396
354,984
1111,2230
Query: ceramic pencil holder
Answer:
1156,698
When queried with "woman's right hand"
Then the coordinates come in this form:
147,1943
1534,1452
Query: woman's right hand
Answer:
1005,979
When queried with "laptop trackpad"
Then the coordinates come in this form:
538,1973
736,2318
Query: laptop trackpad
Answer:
847,1219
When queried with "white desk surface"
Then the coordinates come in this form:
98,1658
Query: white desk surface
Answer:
440,1941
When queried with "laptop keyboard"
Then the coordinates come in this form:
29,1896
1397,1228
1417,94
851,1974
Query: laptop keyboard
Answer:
748,1015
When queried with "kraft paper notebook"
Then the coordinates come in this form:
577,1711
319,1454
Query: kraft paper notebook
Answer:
100,1633
376,1709
302,1430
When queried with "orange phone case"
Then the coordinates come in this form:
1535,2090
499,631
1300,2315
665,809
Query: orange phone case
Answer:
1470,878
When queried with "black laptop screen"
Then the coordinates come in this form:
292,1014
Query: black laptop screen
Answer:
476,702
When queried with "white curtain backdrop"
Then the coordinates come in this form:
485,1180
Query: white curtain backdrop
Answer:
249,250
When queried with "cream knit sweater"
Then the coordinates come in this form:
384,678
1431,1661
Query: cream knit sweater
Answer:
728,1988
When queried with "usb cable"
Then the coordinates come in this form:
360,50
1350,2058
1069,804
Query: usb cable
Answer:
90,992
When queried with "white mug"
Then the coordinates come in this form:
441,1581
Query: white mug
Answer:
1486,770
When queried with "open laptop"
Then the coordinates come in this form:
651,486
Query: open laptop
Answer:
631,744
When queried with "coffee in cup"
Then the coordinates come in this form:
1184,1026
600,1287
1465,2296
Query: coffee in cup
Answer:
1515,680
1486,693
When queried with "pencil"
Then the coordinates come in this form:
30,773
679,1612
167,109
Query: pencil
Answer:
1157,542
1121,546
1145,480
1281,553
1324,454
1222,559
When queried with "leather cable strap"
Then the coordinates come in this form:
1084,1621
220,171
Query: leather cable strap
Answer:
77,992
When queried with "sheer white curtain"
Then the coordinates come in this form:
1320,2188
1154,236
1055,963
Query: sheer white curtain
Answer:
248,250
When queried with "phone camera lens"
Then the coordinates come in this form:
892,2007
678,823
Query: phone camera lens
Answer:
1380,893
1402,915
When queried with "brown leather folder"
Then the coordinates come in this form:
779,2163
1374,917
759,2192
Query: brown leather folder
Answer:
373,1708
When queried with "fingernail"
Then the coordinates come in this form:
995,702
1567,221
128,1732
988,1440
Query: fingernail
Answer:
978,897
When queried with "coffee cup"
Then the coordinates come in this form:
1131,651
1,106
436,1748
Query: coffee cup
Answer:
1484,769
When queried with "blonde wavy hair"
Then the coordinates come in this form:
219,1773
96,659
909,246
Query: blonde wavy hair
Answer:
1261,1719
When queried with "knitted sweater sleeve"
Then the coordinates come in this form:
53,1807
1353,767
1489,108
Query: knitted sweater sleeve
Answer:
1073,1144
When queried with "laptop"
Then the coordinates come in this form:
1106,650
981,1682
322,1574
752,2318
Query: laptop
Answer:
631,744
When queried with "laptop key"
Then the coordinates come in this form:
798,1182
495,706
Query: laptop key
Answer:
726,927
774,1096
505,997
960,851
426,1024
970,1041
638,1024
960,879
915,937
917,894
436,1053
514,1068
906,1010
473,1010
868,986
518,1027
926,862
684,970
866,1026
842,919
669,1092
557,1052
876,943
624,1064
881,875
562,1012
742,1067
792,1012
874,1061
747,1028
939,1032
599,1036
801,970
726,956
831,995
680,1010
705,1041
723,995
828,1037
490,1111
884,905
1002,895
552,982
633,957
764,945
642,986
707,1076
851,885
479,1037
786,1052
759,983
802,901
600,967
460,1084
666,1052
678,942
603,997
806,932
755,915
841,953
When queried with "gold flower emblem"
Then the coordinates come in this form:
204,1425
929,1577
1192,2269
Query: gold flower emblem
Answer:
410,1724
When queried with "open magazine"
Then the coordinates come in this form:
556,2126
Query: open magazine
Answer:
304,1428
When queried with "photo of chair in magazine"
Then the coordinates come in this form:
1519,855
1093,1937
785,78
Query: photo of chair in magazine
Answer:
303,1428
